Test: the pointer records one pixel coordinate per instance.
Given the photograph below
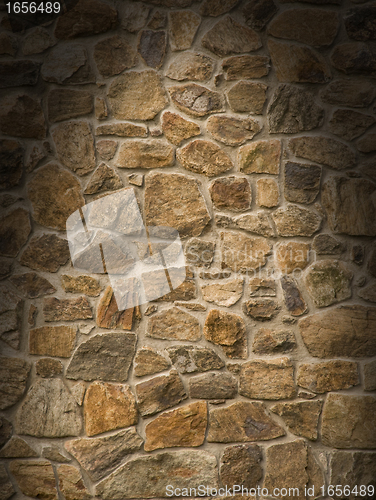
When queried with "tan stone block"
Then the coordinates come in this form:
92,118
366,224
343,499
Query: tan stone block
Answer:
267,193
260,157
52,341
328,376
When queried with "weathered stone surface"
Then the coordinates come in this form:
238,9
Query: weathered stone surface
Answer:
174,324
348,332
87,17
53,453
103,357
136,179
325,244
292,24
151,475
199,253
48,410
108,314
294,301
258,13
260,157
100,108
45,253
368,292
183,27
100,456
370,376
360,23
267,193
22,116
213,386
224,294
328,282
241,465
231,193
347,92
190,66
186,291
191,306
292,255
352,468
6,429
48,368
230,37
108,407
137,95
301,418
14,232
17,448
147,362
232,131
103,179
227,330
11,158
11,309
349,124
176,128
262,287
140,154
175,200
158,21
247,97
349,206
160,393
6,487
67,63
18,73
191,359
55,309
353,58
267,341
215,8
185,426
348,421
293,220
31,285
35,478
37,41
272,379
64,104
242,253
114,55
71,483
367,143
298,64
293,110
204,157
196,100
328,376
52,341
152,47
245,67
242,422
134,16
261,309
13,377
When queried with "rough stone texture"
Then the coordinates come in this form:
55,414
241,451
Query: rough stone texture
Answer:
35,478
353,58
360,22
227,330
22,116
174,324
258,13
53,453
175,200
352,467
137,96
293,220
176,128
122,130
6,429
48,368
56,341
71,483
260,157
247,97
45,253
159,393
37,41
106,149
191,359
347,421
294,301
108,407
241,465
17,448
242,422
302,182
347,331
349,92
103,357
229,37
67,64
108,314
267,193
6,487
11,157
64,104
134,16
204,157
55,309
224,294
183,27
152,47
81,284
213,386
14,232
328,376
349,124
245,67
17,74
199,253
267,341
191,66
261,309
48,410
31,285
114,55
185,426
301,418
231,193
262,287
100,456
139,154
325,244
232,131
196,100
291,256
242,253
328,282
14,373
147,362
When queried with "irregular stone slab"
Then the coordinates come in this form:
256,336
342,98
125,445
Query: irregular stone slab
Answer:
183,28
49,410
158,21
272,379
150,154
190,66
160,393
231,193
230,37
45,253
152,47
204,157
301,418
348,92
14,232
35,478
185,426
292,255
67,63
11,158
22,116
122,130
134,16
6,490
349,206
242,422
328,376
347,331
215,8
258,13
359,23
108,314
103,357
242,253
114,55
293,110
52,341
147,362
181,469
294,301
224,294
71,483
81,284
176,128
100,456
53,453
18,73
348,421
368,293
37,41
13,376
175,200
267,341
86,18
108,407
174,324
349,124
260,157
31,285
247,97
267,193
302,182
137,95
353,58
55,309
241,465
186,291
48,368
367,143
245,67
196,100
292,25
227,330
199,252
293,220
262,287
17,448
191,359
232,131
352,467
64,104
261,309
213,386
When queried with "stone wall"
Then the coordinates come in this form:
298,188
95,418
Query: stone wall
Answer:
249,128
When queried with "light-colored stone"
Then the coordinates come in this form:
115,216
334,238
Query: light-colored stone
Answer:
260,157
247,97
224,294
35,478
136,179
267,341
55,309
242,253
14,373
245,67
64,104
125,129
114,55
293,220
292,255
100,108
106,149
176,128
196,100
262,287
22,116
261,309
258,223
45,253
204,157
56,341
150,154
191,66
199,253
174,324
191,359
71,483
267,193
328,376
328,282
301,418
232,131
103,179
53,453
183,27
213,385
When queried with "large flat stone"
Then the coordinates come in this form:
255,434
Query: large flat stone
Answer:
190,66
301,417
232,131
349,92
64,104
114,55
247,67
293,220
241,465
46,253
328,376
353,468
196,100
176,128
183,26
55,309
302,182
140,154
14,373
247,97
260,157
67,64
35,478
204,157
174,324
225,294
242,253
71,483
148,361
213,386
227,330
56,341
